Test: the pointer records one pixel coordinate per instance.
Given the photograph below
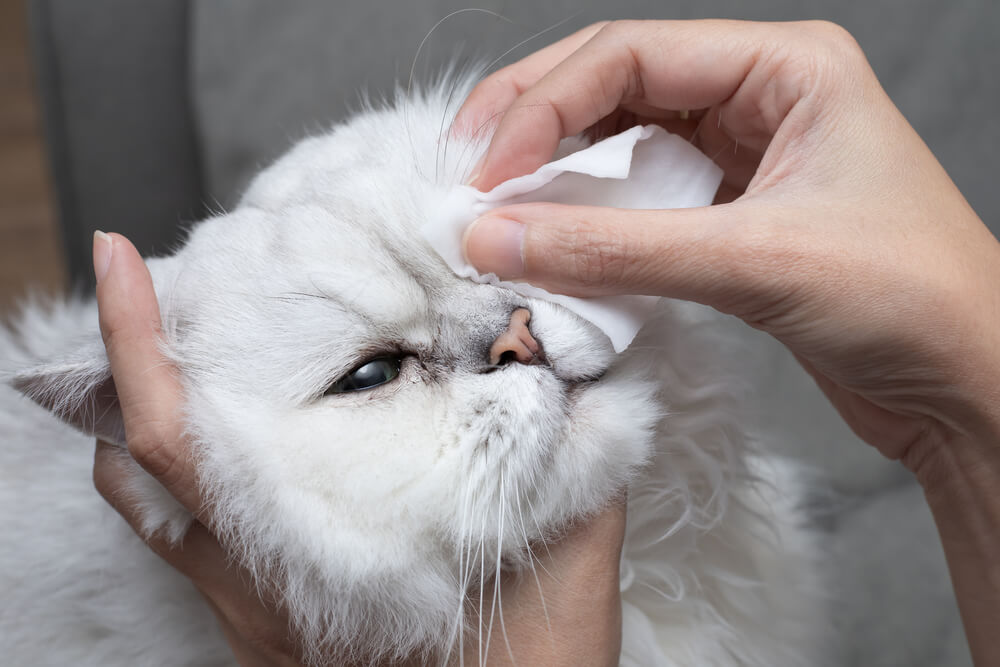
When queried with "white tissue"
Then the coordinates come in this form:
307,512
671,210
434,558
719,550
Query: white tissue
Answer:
645,167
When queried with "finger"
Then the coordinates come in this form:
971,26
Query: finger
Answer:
707,255
664,64
197,556
148,389
251,619
494,94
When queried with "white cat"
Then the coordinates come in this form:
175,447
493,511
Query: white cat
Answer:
364,453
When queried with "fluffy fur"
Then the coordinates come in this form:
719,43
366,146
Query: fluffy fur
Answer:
375,513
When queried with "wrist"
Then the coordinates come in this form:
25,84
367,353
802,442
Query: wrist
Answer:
961,480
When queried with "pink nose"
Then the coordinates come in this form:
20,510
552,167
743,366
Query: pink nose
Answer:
516,343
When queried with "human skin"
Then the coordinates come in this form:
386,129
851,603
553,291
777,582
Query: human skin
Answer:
835,230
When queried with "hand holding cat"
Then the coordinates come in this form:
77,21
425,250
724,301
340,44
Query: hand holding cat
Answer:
836,231
579,574
150,398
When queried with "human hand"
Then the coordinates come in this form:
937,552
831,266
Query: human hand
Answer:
836,231
150,397
844,238
578,575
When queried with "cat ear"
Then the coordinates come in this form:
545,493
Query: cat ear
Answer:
79,389
75,382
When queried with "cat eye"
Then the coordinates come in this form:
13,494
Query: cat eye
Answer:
369,374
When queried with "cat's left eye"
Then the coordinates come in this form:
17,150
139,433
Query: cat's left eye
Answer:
366,376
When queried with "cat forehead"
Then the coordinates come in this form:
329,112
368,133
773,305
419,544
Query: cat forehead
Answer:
356,260
384,160
326,242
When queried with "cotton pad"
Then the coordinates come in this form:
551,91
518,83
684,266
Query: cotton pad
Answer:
644,167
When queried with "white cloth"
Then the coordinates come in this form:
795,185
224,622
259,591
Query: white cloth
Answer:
641,168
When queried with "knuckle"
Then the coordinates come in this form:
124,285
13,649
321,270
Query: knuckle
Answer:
156,449
838,45
118,341
112,475
618,29
504,76
597,26
831,32
595,256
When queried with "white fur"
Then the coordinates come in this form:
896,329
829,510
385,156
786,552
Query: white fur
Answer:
373,513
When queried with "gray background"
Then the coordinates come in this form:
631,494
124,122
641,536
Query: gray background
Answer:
157,111
160,111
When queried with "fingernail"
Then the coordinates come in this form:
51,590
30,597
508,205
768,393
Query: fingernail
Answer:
495,245
102,254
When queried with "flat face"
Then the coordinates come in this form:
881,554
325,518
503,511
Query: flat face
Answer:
370,457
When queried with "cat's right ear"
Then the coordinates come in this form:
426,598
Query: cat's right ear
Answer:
79,389
75,384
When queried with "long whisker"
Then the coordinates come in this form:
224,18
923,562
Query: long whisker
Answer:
538,34
441,154
482,578
447,137
541,533
531,558
496,580
503,521
416,59
463,556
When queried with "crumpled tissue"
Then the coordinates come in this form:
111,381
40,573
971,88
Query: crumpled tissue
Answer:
644,167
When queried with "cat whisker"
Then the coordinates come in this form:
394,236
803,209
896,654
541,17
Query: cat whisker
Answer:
503,523
531,558
482,587
496,595
447,135
463,561
416,59
441,153
541,533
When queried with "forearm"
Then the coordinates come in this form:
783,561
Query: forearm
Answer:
963,491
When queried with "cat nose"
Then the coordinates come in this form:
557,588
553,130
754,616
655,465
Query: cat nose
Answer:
516,342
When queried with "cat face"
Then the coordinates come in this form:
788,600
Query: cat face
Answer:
359,450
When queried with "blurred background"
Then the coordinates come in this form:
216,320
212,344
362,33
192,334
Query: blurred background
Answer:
30,246
142,117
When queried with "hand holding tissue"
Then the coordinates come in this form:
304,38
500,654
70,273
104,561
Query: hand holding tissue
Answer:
644,167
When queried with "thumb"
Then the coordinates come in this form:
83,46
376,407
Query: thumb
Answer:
149,392
730,256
